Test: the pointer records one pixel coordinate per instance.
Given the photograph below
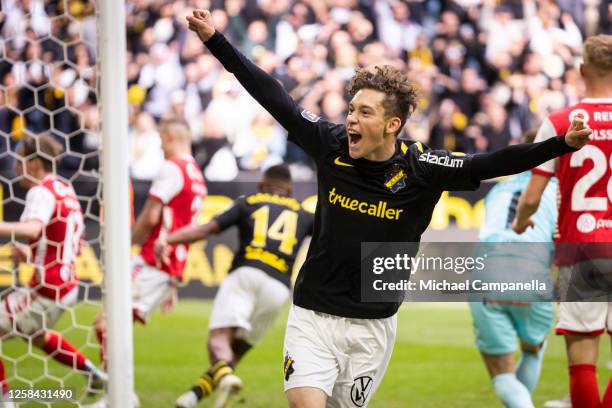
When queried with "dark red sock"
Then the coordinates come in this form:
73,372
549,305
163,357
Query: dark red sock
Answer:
583,386
607,400
101,335
61,350
3,384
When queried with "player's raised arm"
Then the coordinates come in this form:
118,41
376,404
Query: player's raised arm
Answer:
262,86
522,157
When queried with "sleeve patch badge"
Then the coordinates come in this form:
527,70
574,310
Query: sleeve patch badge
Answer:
309,116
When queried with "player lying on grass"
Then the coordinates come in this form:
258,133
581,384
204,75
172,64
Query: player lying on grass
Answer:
52,221
271,226
372,187
499,320
585,207
174,201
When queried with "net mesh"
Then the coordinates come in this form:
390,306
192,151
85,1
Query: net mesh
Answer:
49,84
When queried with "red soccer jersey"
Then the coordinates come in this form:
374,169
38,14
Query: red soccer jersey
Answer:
181,188
585,182
55,204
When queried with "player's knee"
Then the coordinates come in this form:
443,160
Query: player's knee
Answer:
39,339
306,397
220,341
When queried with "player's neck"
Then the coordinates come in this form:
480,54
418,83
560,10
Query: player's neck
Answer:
384,153
601,89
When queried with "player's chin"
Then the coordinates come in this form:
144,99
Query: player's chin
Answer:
355,153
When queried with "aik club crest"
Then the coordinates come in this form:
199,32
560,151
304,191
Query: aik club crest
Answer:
396,179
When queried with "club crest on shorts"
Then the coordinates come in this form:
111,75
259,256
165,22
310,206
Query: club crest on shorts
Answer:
309,116
361,390
288,367
396,179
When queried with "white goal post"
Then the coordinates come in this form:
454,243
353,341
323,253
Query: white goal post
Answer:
116,202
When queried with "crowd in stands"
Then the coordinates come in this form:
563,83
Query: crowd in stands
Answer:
488,70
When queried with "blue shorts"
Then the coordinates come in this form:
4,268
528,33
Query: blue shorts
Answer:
497,326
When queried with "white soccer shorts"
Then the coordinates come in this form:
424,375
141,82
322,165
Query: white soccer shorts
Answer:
150,287
584,318
250,300
346,358
25,311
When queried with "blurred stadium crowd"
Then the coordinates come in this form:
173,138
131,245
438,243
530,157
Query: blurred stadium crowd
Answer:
488,70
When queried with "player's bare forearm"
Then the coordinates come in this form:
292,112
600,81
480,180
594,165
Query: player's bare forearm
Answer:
193,233
146,221
262,86
529,202
23,229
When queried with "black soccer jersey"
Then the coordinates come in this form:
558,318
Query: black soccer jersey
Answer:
271,230
365,201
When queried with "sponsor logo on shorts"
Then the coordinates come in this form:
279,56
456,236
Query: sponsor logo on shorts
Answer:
361,390
288,367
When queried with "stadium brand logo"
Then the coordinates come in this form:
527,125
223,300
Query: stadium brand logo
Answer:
445,161
378,210
361,390
288,367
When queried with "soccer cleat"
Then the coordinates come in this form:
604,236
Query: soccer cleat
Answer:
187,400
562,403
229,386
97,380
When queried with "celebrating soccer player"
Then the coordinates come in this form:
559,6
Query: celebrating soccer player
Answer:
175,199
585,184
371,187
271,227
498,320
53,222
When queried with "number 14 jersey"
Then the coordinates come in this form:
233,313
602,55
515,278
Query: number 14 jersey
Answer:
271,228
585,179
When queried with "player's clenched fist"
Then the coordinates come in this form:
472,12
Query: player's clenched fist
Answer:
578,134
201,24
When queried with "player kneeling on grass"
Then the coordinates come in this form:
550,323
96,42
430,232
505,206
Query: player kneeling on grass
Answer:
372,187
175,199
271,227
53,222
499,320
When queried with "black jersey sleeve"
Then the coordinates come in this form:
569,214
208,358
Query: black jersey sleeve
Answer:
517,158
442,169
232,215
305,128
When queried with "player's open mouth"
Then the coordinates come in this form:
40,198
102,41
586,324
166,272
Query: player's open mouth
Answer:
354,138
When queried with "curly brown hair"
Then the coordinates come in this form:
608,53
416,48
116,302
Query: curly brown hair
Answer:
402,95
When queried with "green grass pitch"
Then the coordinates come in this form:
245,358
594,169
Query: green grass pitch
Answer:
434,363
